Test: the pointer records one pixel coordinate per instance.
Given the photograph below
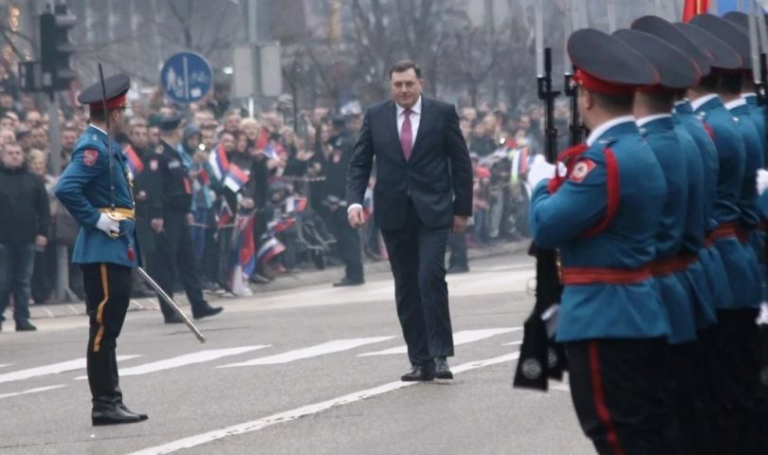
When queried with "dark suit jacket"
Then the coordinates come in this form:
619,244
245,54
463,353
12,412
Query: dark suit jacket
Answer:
437,177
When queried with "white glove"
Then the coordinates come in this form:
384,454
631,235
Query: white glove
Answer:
539,171
108,225
762,181
762,318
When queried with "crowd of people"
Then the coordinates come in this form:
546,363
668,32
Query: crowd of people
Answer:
267,191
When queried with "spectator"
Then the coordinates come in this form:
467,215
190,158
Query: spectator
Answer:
68,141
44,274
39,139
7,136
26,215
24,139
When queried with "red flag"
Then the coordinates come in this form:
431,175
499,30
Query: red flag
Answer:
694,8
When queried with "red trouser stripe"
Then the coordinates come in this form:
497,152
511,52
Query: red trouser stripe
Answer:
599,397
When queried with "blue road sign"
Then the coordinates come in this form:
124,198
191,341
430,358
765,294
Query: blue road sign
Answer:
186,77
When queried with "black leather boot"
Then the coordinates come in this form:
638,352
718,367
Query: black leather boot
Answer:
116,387
107,397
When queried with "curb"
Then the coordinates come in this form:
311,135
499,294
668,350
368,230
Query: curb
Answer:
282,283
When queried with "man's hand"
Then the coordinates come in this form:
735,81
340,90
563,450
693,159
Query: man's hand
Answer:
41,242
190,219
157,225
356,217
460,224
247,203
108,225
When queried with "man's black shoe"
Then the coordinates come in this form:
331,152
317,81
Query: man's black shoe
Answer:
346,282
418,373
173,319
441,369
25,326
141,417
206,311
455,269
111,414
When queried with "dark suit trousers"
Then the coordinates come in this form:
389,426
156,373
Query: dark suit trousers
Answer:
417,257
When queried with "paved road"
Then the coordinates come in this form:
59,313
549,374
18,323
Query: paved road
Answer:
308,371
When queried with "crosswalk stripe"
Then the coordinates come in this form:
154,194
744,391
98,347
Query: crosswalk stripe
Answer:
56,368
3,365
27,392
189,359
459,338
514,343
256,425
313,351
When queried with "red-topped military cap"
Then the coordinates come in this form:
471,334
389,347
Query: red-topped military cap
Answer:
606,65
116,88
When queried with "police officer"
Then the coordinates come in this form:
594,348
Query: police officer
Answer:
347,238
603,215
96,191
169,201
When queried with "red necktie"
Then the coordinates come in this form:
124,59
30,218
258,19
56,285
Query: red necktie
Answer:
406,135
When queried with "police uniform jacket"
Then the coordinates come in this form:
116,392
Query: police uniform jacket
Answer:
604,217
84,188
168,186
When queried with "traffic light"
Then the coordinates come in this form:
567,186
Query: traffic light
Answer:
56,49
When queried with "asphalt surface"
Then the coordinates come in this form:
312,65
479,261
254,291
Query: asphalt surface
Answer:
287,373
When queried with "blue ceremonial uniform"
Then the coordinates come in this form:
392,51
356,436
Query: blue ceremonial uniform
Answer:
660,135
731,160
711,261
560,220
84,188
750,213
695,279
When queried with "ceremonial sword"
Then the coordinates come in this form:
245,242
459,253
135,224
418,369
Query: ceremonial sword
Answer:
112,213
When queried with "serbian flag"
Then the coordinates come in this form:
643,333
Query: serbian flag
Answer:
219,162
263,139
693,8
269,250
235,179
134,162
244,247
225,215
281,225
296,204
270,152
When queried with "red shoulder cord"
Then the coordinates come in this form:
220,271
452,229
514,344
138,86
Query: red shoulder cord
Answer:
614,193
569,157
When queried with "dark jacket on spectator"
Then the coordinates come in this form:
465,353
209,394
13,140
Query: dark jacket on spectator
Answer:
24,209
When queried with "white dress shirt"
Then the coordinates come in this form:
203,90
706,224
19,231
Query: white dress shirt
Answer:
700,101
605,126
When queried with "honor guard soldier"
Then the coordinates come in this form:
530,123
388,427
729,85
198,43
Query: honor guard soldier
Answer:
169,200
732,358
680,235
706,276
603,214
96,191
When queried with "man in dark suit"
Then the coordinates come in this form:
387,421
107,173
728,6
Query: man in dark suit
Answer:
423,191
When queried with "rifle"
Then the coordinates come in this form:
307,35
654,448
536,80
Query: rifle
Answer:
540,357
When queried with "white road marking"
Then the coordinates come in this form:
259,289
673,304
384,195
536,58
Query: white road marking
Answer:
514,343
3,365
26,392
256,425
313,351
56,368
564,387
187,359
49,312
463,337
